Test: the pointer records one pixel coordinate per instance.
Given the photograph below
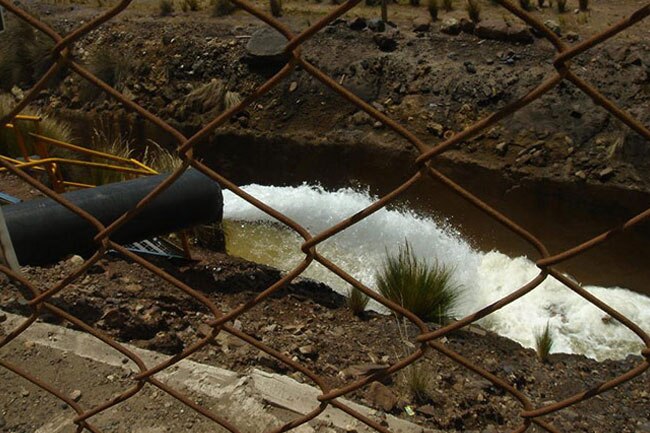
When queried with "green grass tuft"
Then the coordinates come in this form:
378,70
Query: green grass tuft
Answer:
357,301
544,342
417,382
426,290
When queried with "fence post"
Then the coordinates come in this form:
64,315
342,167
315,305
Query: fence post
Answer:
7,253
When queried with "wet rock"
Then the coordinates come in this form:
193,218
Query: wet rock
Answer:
554,27
421,24
358,23
377,25
386,41
500,31
381,397
450,26
266,47
469,67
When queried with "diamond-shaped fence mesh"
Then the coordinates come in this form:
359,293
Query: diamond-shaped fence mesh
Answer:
38,299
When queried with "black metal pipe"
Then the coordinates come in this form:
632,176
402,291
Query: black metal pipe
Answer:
42,231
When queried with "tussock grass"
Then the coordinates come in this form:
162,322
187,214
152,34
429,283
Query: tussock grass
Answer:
25,54
166,7
276,8
222,8
561,6
473,10
426,290
48,127
109,65
432,7
417,381
357,301
448,5
544,342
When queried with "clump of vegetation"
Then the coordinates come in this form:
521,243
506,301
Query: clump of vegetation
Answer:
276,8
473,10
448,5
584,5
416,380
48,127
414,2
166,7
109,65
222,8
357,301
160,159
544,342
426,290
192,5
432,6
25,55
561,6
540,3
525,5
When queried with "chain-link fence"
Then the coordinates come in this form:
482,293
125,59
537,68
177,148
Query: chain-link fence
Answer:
38,299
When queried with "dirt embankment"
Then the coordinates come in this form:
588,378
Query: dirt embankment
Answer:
433,83
311,324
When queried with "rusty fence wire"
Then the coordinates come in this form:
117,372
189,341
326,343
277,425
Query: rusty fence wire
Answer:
427,339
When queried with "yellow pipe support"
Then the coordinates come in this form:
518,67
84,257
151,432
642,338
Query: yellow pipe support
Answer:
78,185
143,166
79,149
117,168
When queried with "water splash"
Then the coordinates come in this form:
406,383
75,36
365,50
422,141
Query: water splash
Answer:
577,325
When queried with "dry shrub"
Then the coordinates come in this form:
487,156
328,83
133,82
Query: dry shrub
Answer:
357,301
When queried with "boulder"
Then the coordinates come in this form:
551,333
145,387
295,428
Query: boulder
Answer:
499,30
266,47
450,26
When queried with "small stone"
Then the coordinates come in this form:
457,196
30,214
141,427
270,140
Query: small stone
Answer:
421,24
377,25
554,27
358,23
435,129
450,26
581,175
427,410
3,317
75,261
572,36
469,67
501,148
308,350
24,393
204,330
293,86
606,173
266,47
17,92
381,397
386,41
75,395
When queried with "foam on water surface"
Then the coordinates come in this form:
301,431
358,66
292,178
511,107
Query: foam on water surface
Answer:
577,325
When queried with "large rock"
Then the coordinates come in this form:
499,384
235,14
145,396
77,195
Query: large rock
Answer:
266,47
499,30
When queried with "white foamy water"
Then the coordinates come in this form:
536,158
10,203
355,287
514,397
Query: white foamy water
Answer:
577,326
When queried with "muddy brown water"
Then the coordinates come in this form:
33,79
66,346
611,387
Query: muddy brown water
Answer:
561,215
